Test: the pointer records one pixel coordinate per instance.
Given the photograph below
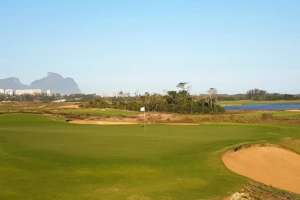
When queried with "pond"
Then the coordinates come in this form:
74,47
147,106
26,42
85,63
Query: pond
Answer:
276,106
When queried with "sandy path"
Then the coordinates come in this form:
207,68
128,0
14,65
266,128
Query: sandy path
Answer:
270,165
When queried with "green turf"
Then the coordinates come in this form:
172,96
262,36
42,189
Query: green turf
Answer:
43,159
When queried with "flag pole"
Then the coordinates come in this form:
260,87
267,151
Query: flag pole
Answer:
143,109
144,117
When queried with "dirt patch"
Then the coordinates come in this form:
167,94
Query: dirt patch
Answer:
293,110
259,191
181,124
269,165
73,106
158,117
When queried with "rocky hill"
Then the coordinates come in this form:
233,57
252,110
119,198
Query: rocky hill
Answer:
53,81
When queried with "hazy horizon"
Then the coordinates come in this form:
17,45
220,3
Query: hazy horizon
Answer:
108,46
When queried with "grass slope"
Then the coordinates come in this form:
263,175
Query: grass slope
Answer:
43,159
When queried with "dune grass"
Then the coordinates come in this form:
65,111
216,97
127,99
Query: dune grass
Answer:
45,159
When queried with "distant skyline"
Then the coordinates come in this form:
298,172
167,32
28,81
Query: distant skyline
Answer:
108,46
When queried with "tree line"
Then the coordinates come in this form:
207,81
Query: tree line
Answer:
258,95
180,101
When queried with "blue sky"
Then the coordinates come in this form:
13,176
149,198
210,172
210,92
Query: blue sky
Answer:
141,45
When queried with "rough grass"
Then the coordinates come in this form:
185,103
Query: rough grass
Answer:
107,112
58,108
46,159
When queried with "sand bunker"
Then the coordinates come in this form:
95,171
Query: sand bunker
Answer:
270,165
116,122
98,122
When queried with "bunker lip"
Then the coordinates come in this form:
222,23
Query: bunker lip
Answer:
267,164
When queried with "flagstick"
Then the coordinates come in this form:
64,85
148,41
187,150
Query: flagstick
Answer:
143,109
144,117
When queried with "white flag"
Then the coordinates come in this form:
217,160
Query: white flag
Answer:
142,109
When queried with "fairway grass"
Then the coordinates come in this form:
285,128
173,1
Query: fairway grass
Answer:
43,159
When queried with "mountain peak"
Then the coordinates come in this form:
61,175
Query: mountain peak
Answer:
57,84
15,79
11,83
53,81
54,75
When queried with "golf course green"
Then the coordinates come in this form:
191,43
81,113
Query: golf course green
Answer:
42,158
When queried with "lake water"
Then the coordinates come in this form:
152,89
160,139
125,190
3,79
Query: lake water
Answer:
277,106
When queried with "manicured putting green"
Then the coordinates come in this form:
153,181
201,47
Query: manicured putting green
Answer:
43,159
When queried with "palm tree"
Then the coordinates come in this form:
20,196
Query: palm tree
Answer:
182,85
212,98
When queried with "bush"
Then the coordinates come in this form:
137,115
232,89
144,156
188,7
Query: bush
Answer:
267,116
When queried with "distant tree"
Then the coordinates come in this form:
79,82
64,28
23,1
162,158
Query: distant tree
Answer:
256,94
182,86
212,98
212,92
2,97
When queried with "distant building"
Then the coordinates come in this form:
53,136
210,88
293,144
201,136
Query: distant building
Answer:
48,93
9,92
28,92
59,101
2,91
